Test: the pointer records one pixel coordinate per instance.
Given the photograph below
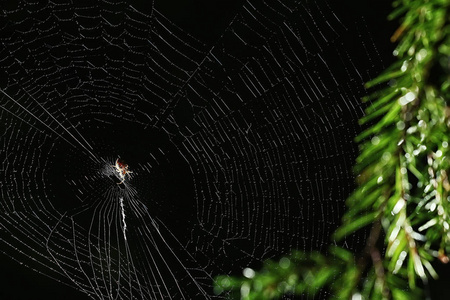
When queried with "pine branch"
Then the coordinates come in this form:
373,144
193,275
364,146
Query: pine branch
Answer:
403,186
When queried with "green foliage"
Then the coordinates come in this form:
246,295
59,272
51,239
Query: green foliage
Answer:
297,274
403,186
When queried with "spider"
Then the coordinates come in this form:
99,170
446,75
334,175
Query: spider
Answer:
122,169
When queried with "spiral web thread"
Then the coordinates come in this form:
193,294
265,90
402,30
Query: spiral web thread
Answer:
261,118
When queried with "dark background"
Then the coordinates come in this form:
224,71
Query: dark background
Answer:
206,20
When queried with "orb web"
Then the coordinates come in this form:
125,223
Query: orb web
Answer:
240,148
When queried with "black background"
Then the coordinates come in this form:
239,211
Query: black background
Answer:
206,20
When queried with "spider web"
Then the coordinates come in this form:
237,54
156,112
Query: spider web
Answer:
240,148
